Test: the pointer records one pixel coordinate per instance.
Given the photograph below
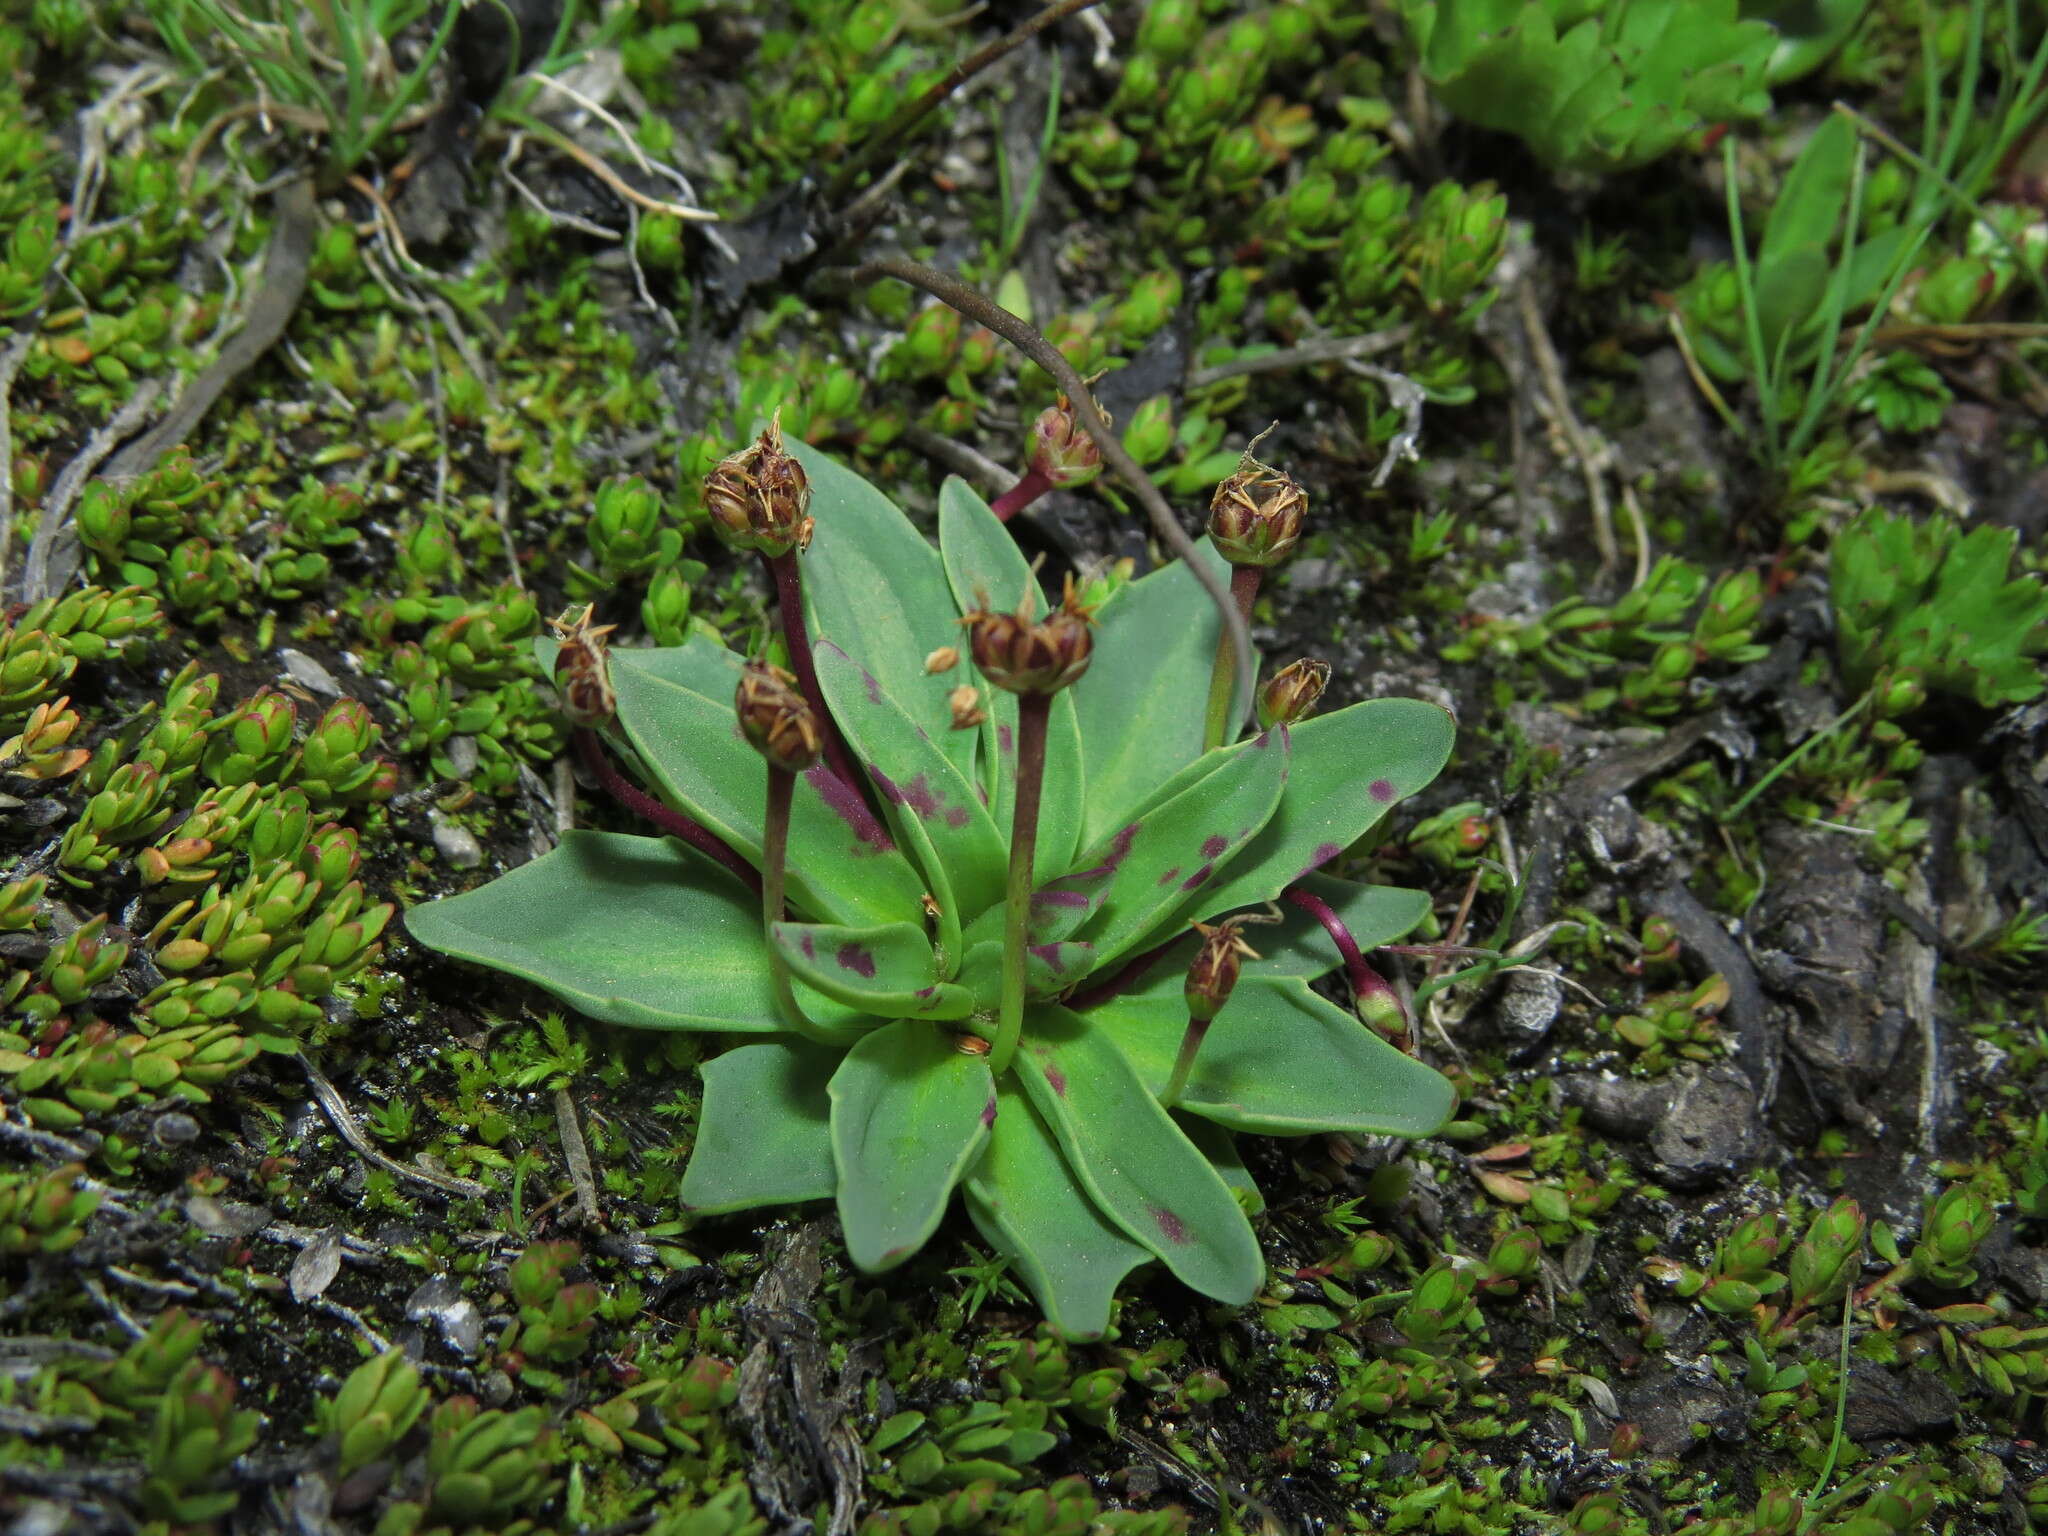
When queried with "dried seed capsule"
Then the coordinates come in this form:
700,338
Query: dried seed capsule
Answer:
583,670
1020,654
1061,450
1213,975
1293,692
944,659
758,497
1256,515
965,702
777,719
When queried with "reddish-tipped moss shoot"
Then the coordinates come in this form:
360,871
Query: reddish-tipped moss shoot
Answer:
780,724
1034,659
1255,520
1211,979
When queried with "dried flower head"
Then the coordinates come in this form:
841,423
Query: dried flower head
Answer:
583,670
777,719
944,659
758,497
965,702
1213,975
1257,514
1292,693
1061,449
1020,654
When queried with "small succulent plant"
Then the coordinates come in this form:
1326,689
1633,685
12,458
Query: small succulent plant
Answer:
966,957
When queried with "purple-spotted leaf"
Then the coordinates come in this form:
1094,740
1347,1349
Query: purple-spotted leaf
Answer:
764,1135
1299,945
1024,1200
889,969
875,587
1348,769
843,864
1049,969
935,807
1278,1061
1177,850
1134,1162
1139,706
983,563
910,1114
629,930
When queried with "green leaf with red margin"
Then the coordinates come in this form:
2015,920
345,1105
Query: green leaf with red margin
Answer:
875,588
629,930
1277,1061
910,1114
1175,852
1024,1200
889,970
938,812
843,864
764,1135
1134,1162
1348,769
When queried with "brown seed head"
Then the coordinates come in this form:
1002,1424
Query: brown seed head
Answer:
583,675
777,719
1213,974
1020,654
758,497
1292,693
1061,449
944,659
1256,515
965,702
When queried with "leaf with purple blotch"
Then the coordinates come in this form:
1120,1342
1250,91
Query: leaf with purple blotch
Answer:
936,809
1277,1061
910,1114
1049,969
764,1135
1349,769
630,930
889,969
1134,1162
1025,1201
1176,850
843,864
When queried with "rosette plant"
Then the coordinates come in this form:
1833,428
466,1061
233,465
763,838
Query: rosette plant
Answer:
969,967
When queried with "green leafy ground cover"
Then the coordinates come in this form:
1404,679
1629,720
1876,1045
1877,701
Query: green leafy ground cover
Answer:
1736,952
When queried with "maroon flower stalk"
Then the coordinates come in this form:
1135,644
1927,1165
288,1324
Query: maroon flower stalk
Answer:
1377,1001
1019,496
590,752
789,604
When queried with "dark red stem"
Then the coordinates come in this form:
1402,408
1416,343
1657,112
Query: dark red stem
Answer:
590,752
1366,983
1019,496
789,602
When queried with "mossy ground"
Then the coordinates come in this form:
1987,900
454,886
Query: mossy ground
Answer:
1575,1309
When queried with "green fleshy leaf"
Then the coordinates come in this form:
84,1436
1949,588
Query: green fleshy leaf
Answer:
843,865
875,588
1136,1165
1049,969
1023,1199
1278,1061
1220,1147
1348,768
1172,855
940,813
910,1114
629,930
889,970
764,1136
982,560
1140,704
699,664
